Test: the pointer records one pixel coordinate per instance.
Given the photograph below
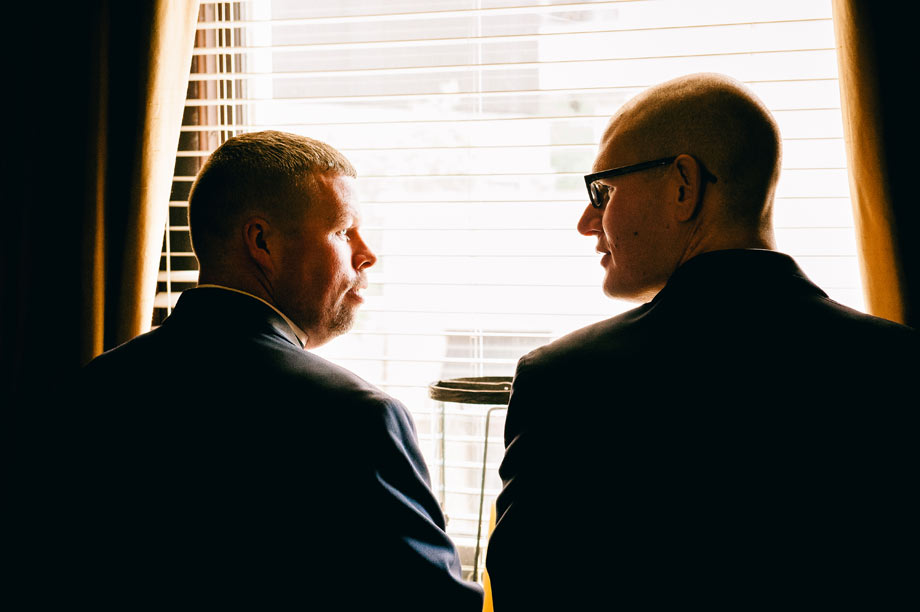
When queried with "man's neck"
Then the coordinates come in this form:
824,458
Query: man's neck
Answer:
729,240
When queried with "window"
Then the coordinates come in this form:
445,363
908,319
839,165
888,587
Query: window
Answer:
471,123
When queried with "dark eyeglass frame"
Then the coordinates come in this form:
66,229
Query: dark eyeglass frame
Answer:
606,174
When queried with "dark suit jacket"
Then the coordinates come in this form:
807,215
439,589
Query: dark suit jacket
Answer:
740,439
213,462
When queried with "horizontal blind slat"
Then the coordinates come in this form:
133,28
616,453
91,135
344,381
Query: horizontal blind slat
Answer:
470,129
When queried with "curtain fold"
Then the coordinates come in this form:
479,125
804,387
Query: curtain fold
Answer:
147,50
96,94
875,56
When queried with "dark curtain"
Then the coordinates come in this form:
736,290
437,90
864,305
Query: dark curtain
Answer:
94,96
877,53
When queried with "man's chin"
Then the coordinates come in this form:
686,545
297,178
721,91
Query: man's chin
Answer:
324,330
613,288
617,290
343,320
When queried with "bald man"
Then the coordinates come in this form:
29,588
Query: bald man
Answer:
738,438
216,462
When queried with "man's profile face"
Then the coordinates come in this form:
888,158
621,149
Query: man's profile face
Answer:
323,263
635,234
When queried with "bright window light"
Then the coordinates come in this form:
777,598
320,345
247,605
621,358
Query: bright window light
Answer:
471,123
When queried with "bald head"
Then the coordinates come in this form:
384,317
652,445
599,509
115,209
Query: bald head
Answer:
719,121
719,153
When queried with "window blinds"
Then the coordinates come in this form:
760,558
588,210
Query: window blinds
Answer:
471,123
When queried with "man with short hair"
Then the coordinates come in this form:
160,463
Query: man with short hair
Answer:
220,463
737,439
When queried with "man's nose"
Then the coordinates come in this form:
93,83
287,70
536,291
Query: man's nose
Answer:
590,222
363,256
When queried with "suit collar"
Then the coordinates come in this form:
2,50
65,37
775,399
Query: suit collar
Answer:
298,332
229,311
737,271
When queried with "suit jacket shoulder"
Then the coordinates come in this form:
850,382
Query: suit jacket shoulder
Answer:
686,450
253,467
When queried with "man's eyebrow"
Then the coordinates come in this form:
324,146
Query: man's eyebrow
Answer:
345,217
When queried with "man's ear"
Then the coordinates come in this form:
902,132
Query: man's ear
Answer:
689,187
259,239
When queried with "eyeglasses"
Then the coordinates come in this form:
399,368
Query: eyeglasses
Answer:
599,193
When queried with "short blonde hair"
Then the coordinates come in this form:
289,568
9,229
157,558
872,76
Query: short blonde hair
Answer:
265,172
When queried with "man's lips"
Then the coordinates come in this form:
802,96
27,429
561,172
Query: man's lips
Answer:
605,259
355,291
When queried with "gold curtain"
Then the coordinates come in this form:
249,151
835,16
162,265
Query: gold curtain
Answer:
95,94
876,58
128,211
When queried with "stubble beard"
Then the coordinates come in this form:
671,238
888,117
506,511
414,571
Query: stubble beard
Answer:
343,319
321,327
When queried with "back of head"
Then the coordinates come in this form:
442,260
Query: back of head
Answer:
264,173
718,120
